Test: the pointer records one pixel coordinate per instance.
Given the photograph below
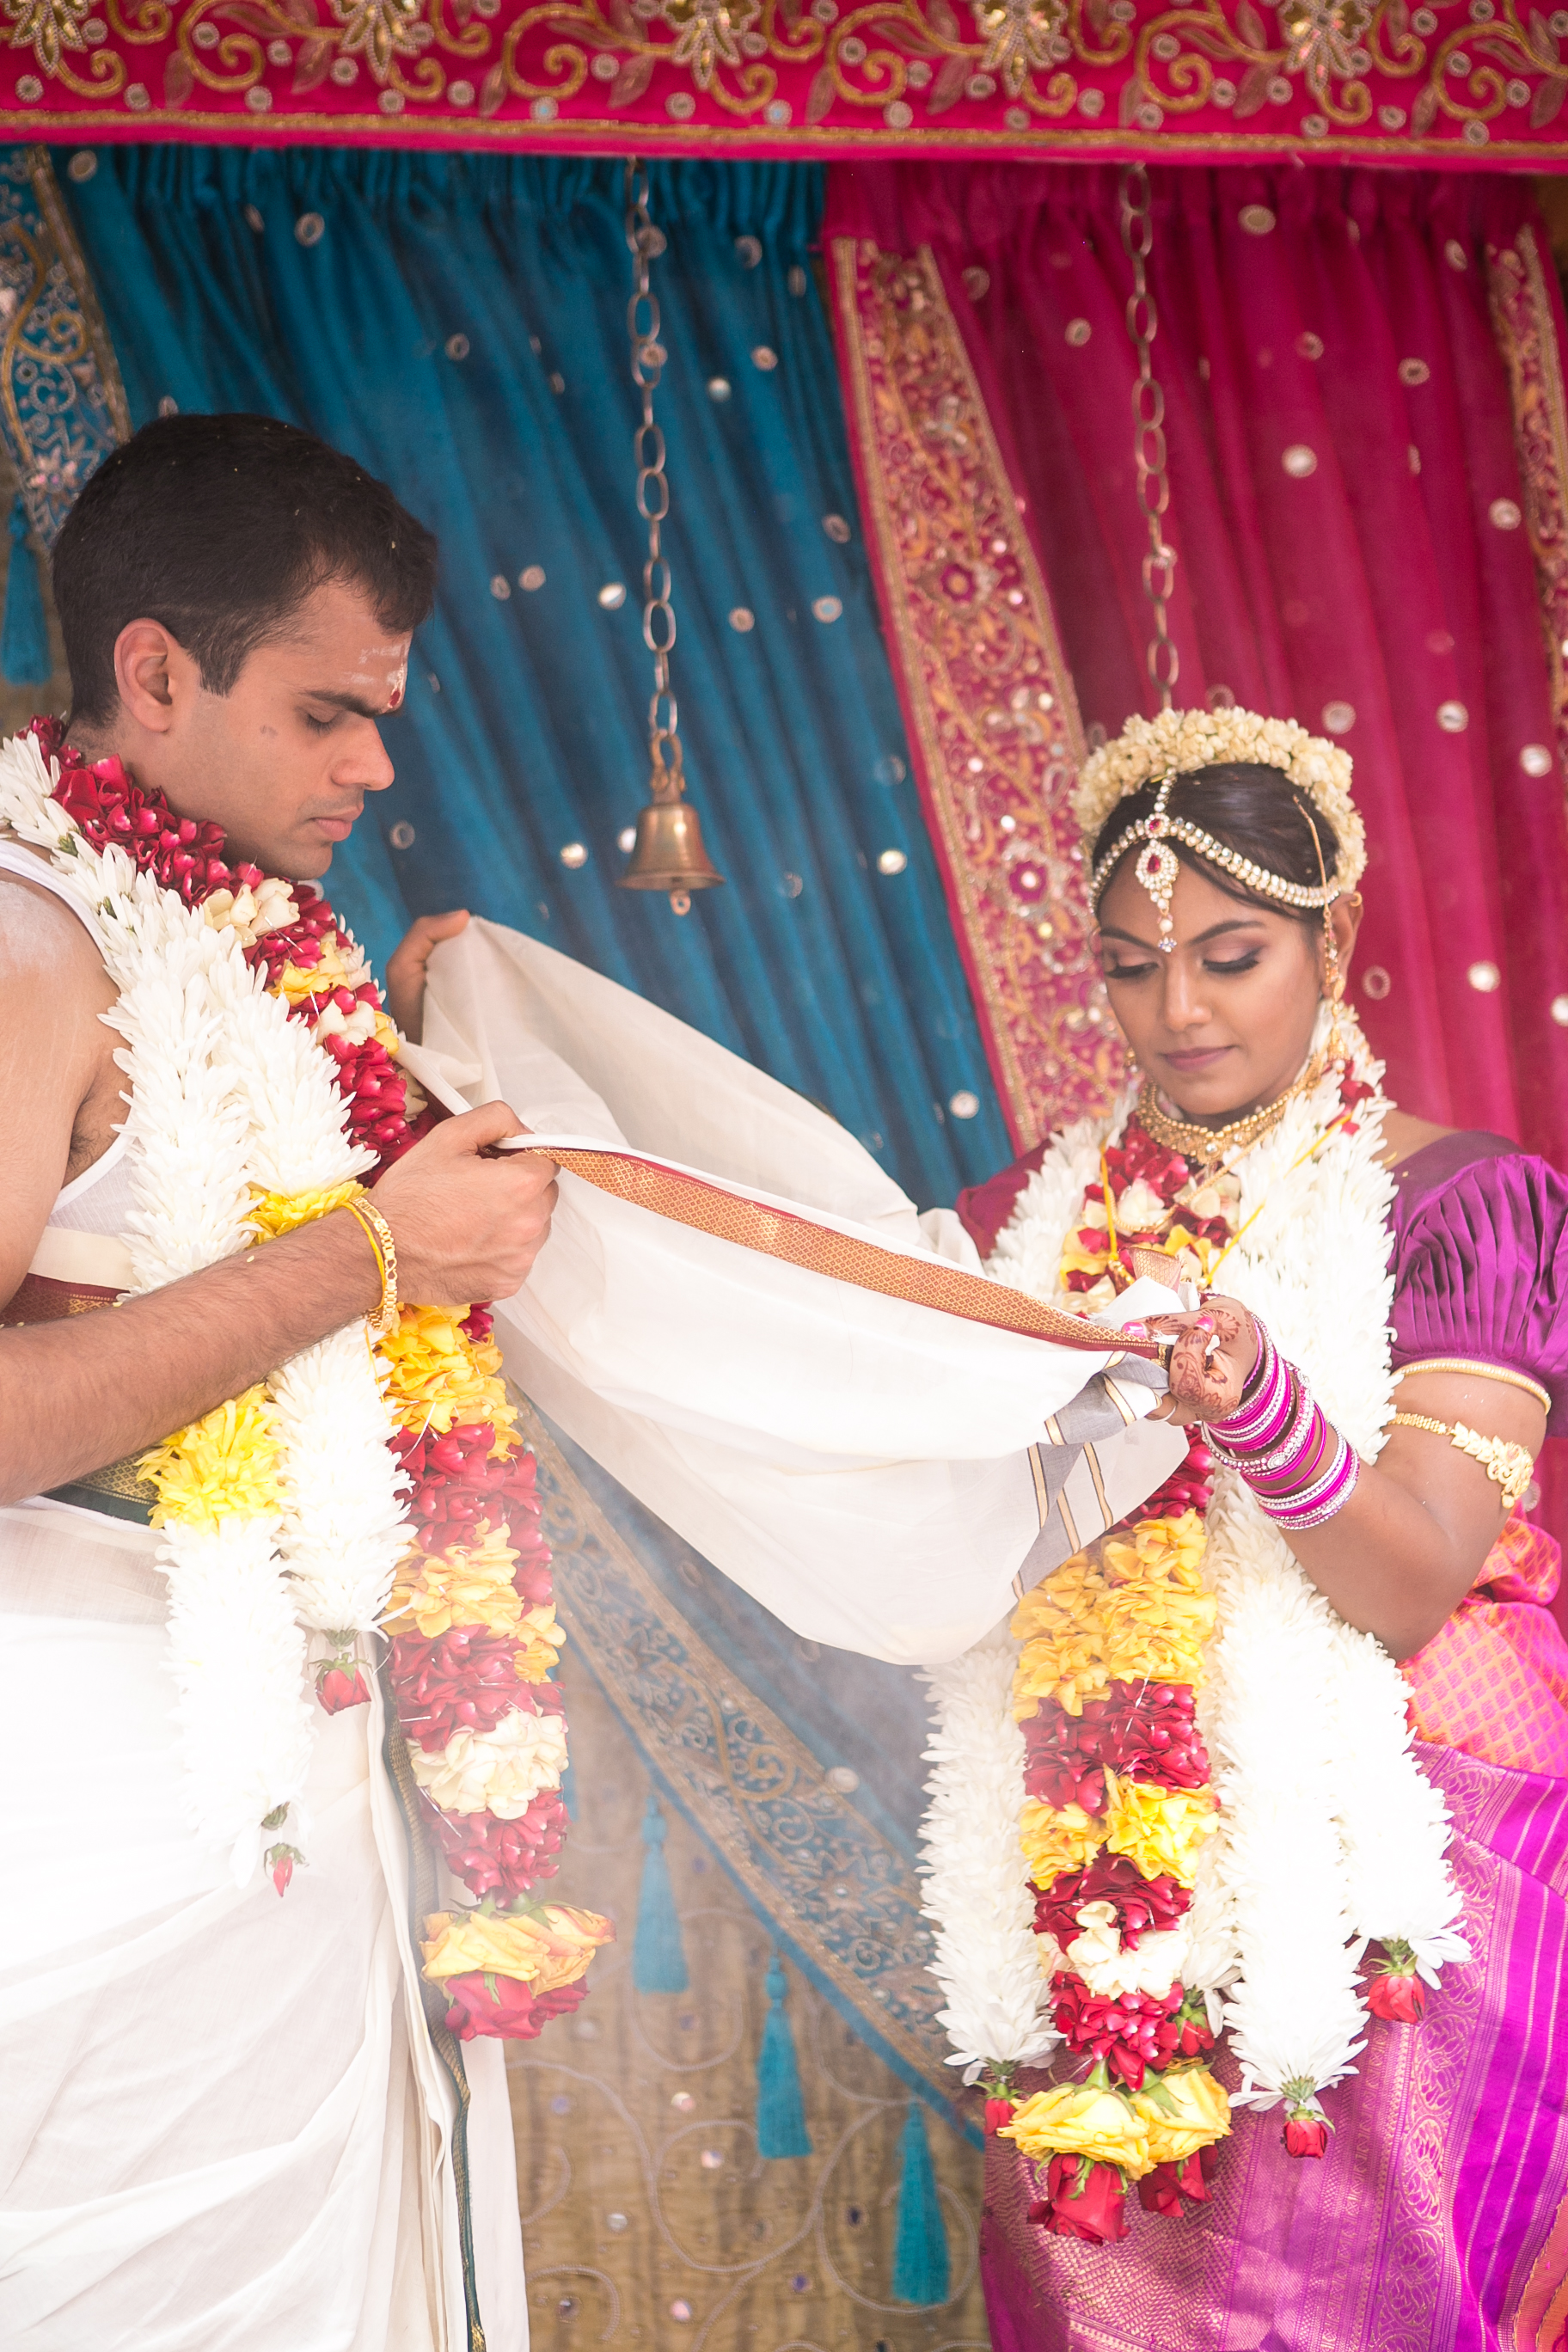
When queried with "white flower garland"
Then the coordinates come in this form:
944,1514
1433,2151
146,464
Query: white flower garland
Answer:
1328,1831
1177,742
988,1959
227,1092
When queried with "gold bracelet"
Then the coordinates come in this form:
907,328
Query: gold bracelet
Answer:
379,1233
1508,1465
1477,1372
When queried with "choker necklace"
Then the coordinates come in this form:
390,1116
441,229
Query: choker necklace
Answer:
1206,1147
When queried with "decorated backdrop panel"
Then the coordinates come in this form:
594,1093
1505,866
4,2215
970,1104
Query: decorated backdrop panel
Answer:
1458,82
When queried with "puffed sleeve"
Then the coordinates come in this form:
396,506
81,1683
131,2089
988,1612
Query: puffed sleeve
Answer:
1480,1269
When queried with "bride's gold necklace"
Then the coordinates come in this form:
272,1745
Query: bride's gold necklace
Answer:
1206,1147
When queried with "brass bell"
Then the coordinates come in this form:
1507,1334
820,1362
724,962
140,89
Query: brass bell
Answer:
668,855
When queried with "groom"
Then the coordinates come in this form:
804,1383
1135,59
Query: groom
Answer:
222,2125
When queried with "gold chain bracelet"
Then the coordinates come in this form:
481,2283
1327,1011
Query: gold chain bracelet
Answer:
1508,1465
379,1234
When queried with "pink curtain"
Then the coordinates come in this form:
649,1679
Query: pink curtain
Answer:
1354,533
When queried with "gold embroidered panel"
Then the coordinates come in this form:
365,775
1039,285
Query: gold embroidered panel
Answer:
988,700
1376,80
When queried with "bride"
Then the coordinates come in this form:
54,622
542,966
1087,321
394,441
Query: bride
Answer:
1286,1761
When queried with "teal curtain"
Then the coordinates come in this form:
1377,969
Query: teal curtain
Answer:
458,323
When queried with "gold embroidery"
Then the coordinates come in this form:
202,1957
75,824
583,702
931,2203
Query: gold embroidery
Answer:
993,718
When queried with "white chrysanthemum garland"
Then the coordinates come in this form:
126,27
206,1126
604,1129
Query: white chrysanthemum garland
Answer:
1327,1824
229,1098
987,1955
1177,742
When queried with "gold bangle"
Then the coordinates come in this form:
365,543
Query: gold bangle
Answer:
1477,1372
379,1233
1508,1465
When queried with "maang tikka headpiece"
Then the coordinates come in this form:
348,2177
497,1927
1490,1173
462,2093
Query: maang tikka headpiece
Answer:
1180,742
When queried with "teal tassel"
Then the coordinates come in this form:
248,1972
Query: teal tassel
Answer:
25,635
781,2117
658,1956
920,2250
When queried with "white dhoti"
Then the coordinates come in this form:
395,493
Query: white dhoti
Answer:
223,2125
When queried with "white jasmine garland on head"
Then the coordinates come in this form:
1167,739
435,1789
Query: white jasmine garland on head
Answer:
1178,742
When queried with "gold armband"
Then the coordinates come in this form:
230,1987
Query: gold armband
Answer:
379,1233
1471,1369
1508,1465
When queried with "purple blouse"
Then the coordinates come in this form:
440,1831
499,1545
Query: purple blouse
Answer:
1481,1261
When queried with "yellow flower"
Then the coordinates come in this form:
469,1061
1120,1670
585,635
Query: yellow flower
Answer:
544,1639
438,1377
295,981
272,1213
467,1585
544,1952
1082,2119
1058,1624
1054,1841
1159,1830
223,1466
1184,2110
1131,1608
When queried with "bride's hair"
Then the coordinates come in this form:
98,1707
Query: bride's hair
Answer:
1251,808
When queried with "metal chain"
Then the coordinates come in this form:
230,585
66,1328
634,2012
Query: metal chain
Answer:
648,356
1149,454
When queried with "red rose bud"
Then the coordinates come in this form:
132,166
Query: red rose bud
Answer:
1083,2201
1306,2130
279,1861
504,2009
1195,2033
340,1683
999,2112
1143,1905
1160,2191
1396,1994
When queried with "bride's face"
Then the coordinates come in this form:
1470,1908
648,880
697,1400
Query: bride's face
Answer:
1224,1023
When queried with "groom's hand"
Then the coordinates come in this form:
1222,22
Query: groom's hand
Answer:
406,970
468,1222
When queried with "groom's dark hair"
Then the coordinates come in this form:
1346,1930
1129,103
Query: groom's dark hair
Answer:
220,528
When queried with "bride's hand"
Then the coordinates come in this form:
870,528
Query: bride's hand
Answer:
1215,1351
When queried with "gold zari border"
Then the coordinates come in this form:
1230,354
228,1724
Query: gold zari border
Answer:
705,1208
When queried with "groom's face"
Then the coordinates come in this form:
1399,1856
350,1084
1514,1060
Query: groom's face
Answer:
284,761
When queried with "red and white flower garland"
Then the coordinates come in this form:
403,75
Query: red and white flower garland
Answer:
263,1086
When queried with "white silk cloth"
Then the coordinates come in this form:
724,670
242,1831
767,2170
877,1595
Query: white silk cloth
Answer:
874,1472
